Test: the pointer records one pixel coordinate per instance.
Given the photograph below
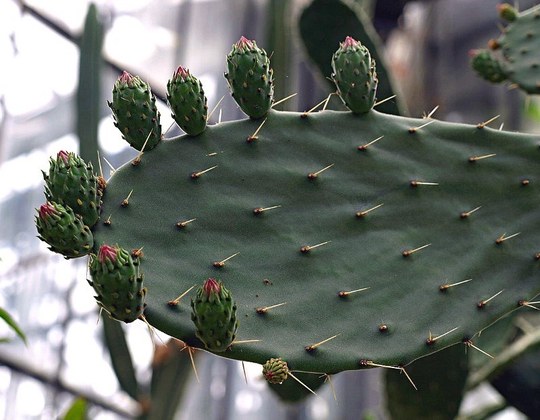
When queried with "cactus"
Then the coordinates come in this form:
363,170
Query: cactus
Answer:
63,231
135,112
187,101
250,78
514,56
355,76
72,183
118,283
214,313
350,240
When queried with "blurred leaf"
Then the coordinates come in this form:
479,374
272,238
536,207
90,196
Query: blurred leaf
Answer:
440,379
89,90
171,371
519,382
485,413
279,45
13,325
516,346
493,340
532,109
77,411
122,363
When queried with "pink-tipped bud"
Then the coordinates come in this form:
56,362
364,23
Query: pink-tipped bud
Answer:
126,78
349,42
107,253
507,12
245,44
182,73
211,286
46,210
62,154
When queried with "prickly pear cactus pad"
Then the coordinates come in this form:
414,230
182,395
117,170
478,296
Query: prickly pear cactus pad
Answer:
345,240
515,54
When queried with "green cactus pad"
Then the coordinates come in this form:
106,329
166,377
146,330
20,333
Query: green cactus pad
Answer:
345,222
213,312
518,48
355,76
250,78
117,280
187,101
63,231
487,66
135,112
72,183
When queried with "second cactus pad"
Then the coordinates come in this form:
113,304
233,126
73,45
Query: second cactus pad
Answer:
515,55
382,237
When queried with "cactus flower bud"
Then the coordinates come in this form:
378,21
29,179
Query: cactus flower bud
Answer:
211,287
135,112
275,371
118,283
65,232
507,12
107,253
214,313
250,78
487,66
187,101
354,75
72,183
